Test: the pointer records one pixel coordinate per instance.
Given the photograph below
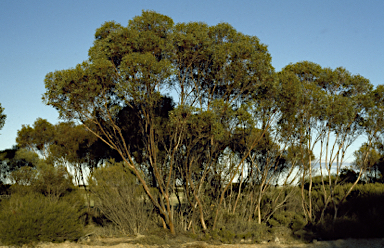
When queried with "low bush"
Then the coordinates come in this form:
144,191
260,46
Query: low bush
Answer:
30,218
120,199
233,230
292,220
359,216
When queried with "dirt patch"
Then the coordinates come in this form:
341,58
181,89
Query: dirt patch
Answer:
127,243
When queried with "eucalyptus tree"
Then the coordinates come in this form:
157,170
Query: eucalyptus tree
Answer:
261,170
69,147
126,65
218,74
37,138
368,159
347,107
302,117
271,161
10,161
329,110
65,143
213,70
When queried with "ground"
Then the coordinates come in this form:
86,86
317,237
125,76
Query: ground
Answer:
125,243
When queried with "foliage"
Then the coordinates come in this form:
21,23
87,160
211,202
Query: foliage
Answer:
2,117
36,138
368,158
64,143
12,160
292,220
215,70
53,181
348,175
43,205
42,177
359,215
118,196
32,218
231,145
232,229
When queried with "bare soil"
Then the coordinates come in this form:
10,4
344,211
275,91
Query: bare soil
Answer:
127,243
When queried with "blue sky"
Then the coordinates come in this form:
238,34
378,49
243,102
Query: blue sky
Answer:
38,37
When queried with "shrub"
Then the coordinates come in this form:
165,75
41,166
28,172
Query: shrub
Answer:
359,216
120,198
47,179
32,218
53,181
292,220
259,232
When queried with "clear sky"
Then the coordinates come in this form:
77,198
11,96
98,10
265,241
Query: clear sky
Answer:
38,37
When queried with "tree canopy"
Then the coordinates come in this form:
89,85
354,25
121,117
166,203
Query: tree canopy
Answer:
213,70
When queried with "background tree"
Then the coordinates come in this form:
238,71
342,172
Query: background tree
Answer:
70,147
11,160
368,158
37,138
373,127
2,117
